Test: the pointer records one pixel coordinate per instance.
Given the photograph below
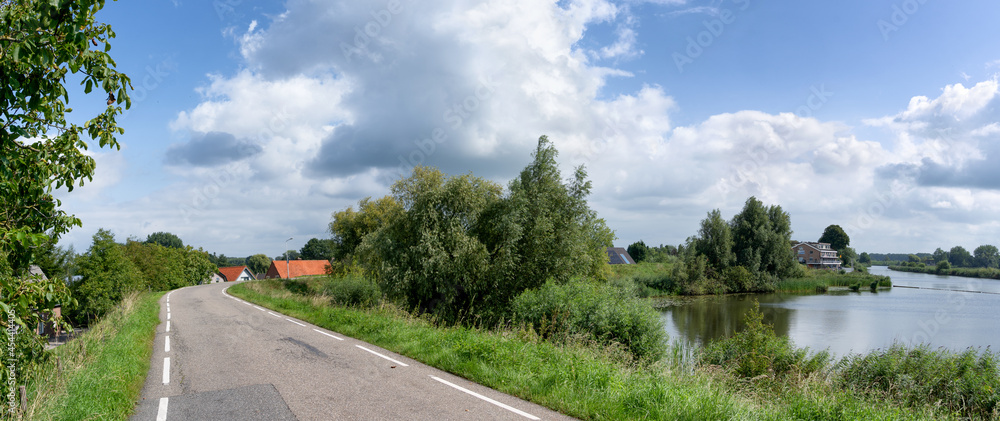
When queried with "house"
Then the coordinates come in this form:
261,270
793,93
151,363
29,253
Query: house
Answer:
45,327
236,274
216,278
281,269
619,256
816,255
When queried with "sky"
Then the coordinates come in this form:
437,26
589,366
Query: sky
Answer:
253,121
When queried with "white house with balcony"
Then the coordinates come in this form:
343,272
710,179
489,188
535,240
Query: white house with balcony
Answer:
816,255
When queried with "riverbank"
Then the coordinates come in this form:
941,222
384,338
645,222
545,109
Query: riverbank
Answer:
985,273
600,382
820,281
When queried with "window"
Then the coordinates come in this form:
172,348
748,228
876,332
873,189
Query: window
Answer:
624,260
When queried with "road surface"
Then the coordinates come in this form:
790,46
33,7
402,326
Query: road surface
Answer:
216,357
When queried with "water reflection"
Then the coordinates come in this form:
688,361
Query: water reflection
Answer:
844,321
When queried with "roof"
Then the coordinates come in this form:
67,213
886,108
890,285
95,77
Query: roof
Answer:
300,267
619,256
34,270
232,273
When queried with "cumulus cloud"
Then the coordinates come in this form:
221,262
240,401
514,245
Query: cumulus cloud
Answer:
211,149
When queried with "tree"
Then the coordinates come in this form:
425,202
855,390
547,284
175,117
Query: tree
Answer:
42,43
316,249
288,255
638,250
865,258
55,261
258,263
959,257
349,227
108,275
836,237
165,239
762,238
847,256
715,241
940,255
986,256
913,258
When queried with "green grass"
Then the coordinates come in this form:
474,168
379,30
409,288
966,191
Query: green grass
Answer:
103,370
581,379
988,273
820,280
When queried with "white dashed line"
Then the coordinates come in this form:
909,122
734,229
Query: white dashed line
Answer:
161,415
168,325
327,334
166,370
383,356
275,315
504,406
168,315
293,321
166,344
260,308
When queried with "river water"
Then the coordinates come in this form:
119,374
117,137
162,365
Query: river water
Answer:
939,314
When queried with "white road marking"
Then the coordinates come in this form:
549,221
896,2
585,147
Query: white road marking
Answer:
383,356
166,370
166,344
293,321
504,406
275,315
168,315
260,308
161,415
168,325
327,334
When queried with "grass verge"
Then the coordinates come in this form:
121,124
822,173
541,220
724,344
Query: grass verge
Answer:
579,379
100,374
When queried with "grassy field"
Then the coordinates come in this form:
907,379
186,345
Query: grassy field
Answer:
585,381
100,374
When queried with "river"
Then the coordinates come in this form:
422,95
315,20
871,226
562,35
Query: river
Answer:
843,321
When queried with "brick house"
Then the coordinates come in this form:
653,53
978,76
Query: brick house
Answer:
816,255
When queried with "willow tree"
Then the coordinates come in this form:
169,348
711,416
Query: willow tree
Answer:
43,44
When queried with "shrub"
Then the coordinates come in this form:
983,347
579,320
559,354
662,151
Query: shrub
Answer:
967,382
757,351
598,312
352,290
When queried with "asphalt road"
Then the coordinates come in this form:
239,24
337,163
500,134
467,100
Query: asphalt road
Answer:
227,359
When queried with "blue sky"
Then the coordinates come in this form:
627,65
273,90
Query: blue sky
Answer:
253,121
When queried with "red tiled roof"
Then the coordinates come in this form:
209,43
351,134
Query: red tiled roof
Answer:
232,273
299,268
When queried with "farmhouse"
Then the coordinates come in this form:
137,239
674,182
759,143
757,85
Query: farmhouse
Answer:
235,274
619,256
287,269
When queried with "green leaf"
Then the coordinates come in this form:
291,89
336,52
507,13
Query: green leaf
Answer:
89,87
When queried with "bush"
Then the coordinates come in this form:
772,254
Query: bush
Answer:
598,312
967,382
352,290
757,351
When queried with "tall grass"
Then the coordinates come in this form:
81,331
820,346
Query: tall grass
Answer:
820,280
99,375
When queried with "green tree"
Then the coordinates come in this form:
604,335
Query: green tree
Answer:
108,275
940,255
165,239
959,257
865,258
349,227
761,240
638,250
913,258
943,266
836,237
55,261
258,263
288,255
847,256
986,256
42,43
316,249
715,241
